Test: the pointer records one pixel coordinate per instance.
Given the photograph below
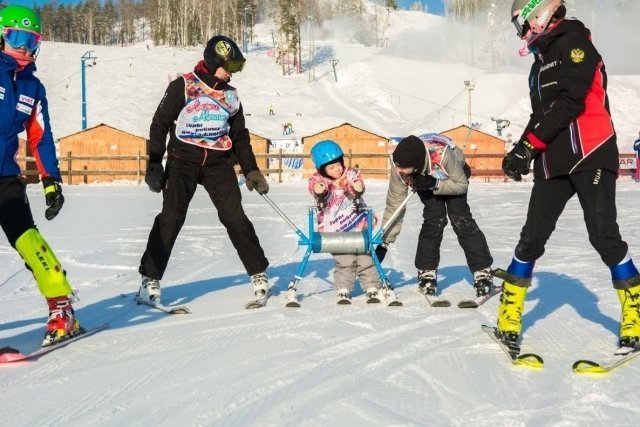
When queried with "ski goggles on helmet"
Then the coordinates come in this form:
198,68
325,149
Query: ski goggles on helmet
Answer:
522,25
18,37
234,65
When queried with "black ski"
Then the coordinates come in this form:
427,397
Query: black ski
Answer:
513,351
477,302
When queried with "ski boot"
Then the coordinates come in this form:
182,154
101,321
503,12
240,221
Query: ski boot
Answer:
62,323
630,319
427,282
372,295
149,290
510,314
260,285
344,296
483,282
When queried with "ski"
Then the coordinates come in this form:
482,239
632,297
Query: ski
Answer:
10,355
477,302
291,298
343,301
390,297
590,367
258,302
169,309
434,301
529,359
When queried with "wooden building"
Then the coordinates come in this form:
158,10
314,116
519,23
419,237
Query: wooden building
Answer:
102,141
353,141
484,152
260,145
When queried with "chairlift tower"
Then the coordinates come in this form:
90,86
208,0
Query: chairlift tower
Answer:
83,59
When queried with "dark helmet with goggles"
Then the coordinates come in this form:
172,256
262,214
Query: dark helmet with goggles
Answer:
223,52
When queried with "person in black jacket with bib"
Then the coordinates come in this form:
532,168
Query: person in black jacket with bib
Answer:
203,117
572,141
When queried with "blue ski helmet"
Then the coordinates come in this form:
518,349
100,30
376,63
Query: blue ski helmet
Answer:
325,152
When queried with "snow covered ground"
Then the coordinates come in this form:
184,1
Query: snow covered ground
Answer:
322,364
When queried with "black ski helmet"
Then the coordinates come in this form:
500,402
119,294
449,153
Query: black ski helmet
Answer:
223,52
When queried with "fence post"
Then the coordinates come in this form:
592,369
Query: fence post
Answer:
69,168
350,157
139,167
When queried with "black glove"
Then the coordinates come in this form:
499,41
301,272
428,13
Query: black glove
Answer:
424,182
155,177
516,163
257,181
53,197
381,251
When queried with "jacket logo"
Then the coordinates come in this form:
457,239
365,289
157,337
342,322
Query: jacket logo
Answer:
24,109
577,55
27,99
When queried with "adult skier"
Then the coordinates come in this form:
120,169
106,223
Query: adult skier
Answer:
572,141
203,116
23,107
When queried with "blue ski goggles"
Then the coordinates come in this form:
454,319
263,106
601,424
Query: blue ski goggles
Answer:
234,65
18,37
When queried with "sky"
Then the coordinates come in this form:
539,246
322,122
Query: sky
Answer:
435,6
322,364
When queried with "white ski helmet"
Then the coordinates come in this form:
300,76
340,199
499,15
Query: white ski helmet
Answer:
534,15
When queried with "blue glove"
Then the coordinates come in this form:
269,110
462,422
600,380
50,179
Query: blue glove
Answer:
53,197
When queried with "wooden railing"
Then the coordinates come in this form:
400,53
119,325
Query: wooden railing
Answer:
68,171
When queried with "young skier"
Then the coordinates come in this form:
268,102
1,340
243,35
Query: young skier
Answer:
435,168
203,116
23,107
572,140
338,190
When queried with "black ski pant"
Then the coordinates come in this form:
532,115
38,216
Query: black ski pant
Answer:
596,190
15,211
221,184
471,239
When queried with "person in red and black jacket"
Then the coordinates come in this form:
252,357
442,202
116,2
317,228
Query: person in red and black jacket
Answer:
203,117
571,138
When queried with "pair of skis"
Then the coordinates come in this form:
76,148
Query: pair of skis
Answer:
622,355
434,301
385,294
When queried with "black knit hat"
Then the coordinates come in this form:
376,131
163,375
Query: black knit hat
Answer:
410,153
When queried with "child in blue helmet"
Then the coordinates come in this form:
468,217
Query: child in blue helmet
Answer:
338,190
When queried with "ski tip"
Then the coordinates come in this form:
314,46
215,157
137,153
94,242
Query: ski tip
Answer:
395,303
468,304
531,360
588,367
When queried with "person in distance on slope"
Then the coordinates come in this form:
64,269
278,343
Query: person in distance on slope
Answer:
203,116
572,141
435,168
338,190
24,107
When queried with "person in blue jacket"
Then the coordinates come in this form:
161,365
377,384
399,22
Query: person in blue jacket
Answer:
23,107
